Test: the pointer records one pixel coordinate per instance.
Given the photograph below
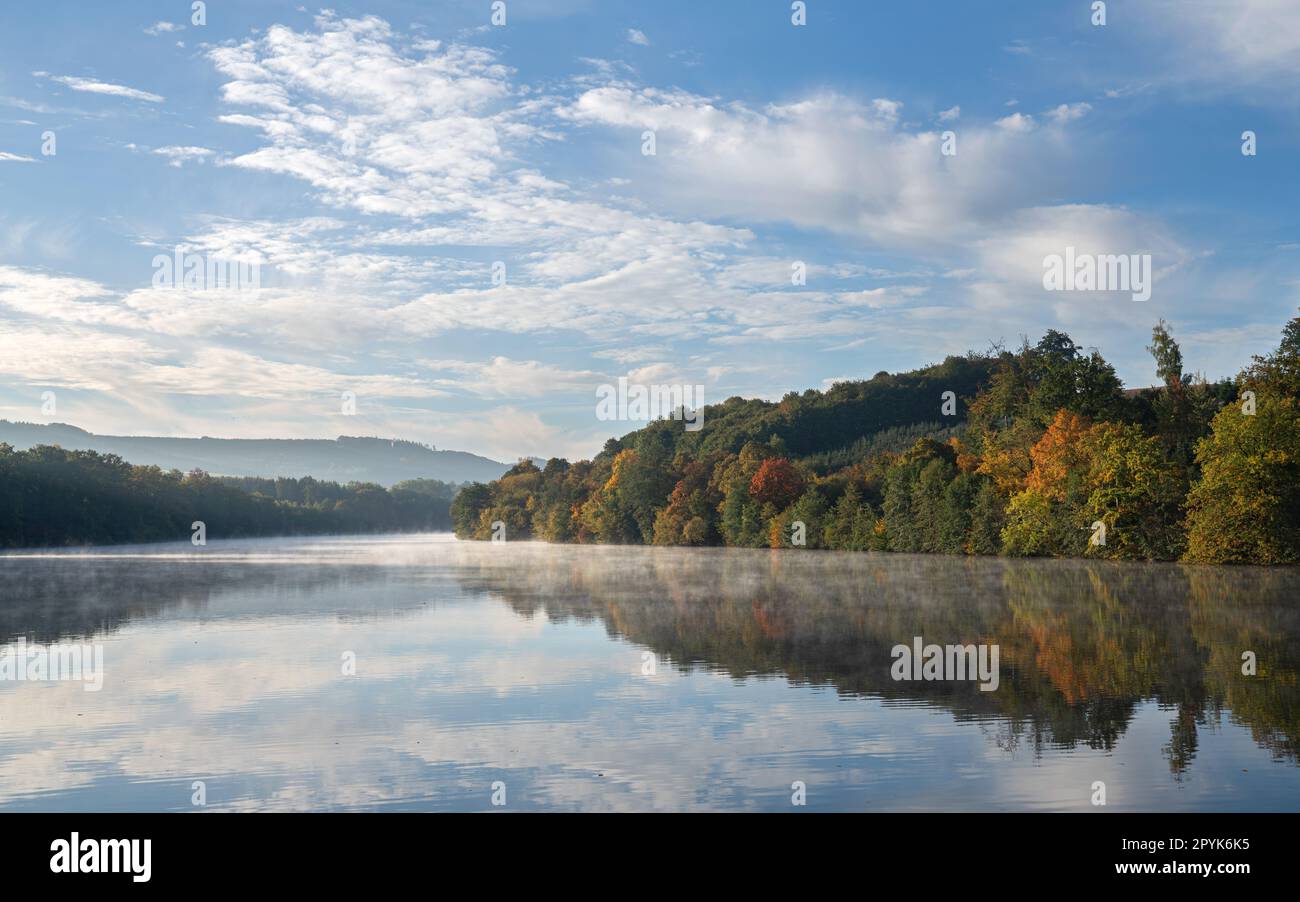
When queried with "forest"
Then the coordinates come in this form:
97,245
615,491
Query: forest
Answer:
51,497
1044,453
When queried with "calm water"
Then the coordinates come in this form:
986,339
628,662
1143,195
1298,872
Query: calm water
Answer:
526,664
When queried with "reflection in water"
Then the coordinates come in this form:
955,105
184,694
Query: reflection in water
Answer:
524,663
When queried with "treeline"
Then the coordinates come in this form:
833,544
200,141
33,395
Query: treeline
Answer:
1047,454
51,497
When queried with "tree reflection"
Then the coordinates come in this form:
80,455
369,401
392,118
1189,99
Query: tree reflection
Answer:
1083,643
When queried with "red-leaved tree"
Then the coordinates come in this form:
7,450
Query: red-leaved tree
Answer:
777,481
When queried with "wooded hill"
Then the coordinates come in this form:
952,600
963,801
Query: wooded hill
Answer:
1045,453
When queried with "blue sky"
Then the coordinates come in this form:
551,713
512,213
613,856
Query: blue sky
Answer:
376,159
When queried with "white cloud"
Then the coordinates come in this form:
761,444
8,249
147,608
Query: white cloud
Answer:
158,28
73,357
627,356
178,156
37,294
636,36
92,86
1016,250
1068,112
6,157
1016,122
223,371
835,163
371,128
1243,41
502,377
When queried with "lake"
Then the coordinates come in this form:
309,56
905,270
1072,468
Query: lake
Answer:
422,673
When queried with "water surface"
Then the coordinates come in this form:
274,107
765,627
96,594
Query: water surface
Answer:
599,678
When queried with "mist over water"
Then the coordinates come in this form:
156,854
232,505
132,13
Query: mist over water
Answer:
527,664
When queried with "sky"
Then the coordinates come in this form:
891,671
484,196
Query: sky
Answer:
457,228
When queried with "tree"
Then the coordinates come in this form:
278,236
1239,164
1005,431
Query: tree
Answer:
1033,527
640,484
810,510
850,523
1059,457
1278,373
1184,406
1246,506
741,517
988,518
689,517
929,504
1167,354
610,513
1136,491
897,508
466,508
957,514
777,482
1046,517
53,497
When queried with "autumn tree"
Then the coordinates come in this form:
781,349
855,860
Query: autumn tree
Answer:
691,513
606,514
742,519
1245,509
777,482
1045,518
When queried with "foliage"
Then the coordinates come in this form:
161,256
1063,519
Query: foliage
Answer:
1046,450
1136,491
52,497
1246,507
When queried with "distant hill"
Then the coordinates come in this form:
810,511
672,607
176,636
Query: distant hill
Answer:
345,459
814,424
